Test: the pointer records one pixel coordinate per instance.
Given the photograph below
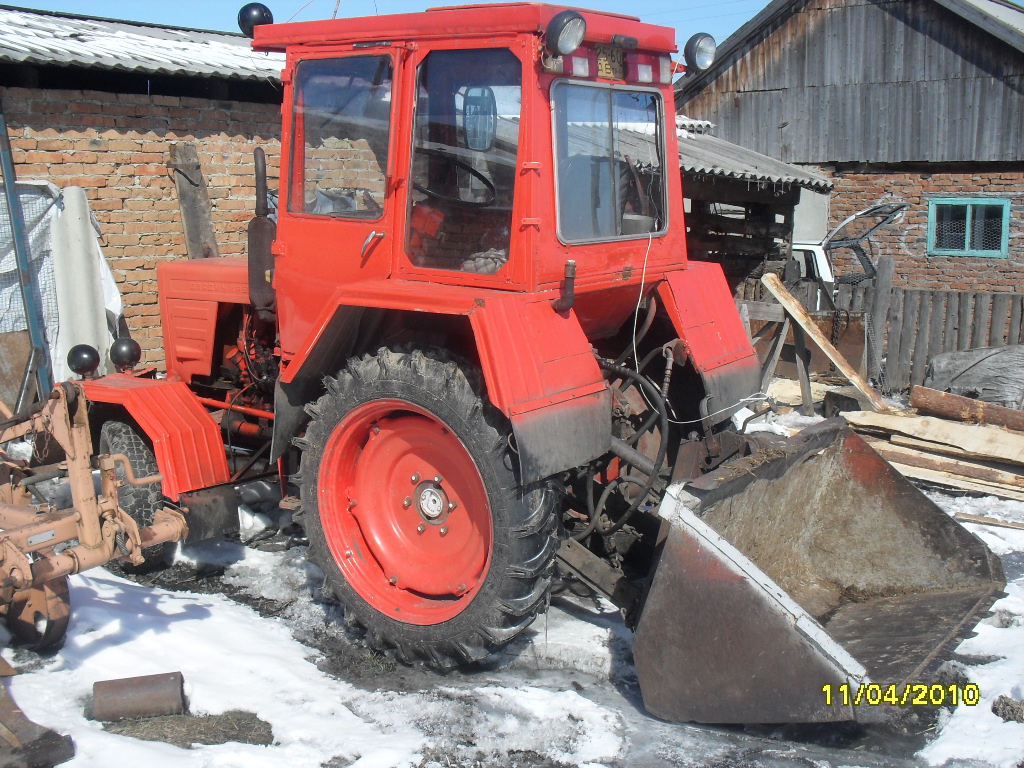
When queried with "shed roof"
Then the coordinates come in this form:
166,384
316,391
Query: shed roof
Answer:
700,152
45,38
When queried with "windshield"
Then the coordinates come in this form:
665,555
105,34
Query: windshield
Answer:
608,161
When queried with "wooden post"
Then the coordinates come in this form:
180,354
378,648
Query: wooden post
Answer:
803,359
878,312
196,214
771,362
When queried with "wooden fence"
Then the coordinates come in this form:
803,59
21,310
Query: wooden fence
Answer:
917,324
922,324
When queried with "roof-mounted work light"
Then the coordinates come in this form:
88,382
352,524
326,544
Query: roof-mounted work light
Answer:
699,52
565,33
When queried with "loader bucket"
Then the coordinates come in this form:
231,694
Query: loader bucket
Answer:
783,578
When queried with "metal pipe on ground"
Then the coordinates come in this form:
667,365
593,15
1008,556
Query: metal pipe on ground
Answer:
135,697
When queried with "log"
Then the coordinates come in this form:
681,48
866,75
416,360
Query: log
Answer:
795,310
950,406
993,443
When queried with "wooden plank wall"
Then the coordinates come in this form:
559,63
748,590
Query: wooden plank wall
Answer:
922,324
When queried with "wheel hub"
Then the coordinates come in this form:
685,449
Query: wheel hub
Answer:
432,502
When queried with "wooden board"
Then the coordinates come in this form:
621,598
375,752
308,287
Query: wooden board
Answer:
1000,318
196,213
982,310
954,481
948,450
988,442
964,325
982,520
799,314
966,469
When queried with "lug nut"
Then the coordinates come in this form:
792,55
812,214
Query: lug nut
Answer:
421,527
376,429
444,530
415,478
407,502
393,580
438,479
452,505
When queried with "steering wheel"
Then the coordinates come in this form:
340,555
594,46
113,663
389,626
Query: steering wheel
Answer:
453,160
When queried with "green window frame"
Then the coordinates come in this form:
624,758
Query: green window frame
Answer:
975,227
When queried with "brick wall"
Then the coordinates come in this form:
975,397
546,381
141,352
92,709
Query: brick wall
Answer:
907,240
117,146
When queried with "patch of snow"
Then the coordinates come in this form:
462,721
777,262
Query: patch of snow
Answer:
975,732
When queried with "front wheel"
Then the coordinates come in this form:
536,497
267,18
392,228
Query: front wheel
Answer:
415,514
141,502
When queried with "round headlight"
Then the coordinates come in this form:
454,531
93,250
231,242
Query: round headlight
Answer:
565,33
699,52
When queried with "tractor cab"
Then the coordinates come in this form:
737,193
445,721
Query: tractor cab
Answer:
491,158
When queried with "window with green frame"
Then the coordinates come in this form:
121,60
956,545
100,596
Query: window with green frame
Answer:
976,227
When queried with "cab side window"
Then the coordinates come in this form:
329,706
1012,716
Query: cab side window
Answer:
340,143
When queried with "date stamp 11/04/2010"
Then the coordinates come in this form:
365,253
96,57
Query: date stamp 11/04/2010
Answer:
911,694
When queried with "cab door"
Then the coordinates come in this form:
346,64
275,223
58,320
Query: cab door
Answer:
338,212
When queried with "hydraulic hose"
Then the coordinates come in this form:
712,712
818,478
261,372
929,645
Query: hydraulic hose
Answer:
652,310
655,397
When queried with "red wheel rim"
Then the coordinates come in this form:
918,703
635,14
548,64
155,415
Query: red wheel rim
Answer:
405,512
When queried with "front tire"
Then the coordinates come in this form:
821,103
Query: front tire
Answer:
415,514
141,502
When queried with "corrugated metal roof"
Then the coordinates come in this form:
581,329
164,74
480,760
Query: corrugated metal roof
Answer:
41,38
700,152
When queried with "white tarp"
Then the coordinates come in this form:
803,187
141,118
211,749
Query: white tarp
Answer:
72,282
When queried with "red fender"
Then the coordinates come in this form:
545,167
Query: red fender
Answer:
704,315
186,441
537,363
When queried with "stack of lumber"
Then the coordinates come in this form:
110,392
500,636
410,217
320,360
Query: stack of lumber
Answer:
966,444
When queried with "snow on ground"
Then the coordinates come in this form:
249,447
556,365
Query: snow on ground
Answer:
975,733
563,696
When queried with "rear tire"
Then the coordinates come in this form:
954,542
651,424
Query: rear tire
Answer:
141,502
415,514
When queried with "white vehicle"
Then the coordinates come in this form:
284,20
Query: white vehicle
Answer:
814,260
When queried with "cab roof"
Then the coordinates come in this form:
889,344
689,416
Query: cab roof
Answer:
465,21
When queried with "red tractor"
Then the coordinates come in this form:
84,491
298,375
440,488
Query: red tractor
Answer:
472,344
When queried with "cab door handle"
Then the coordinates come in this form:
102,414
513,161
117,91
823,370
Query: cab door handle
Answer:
374,234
